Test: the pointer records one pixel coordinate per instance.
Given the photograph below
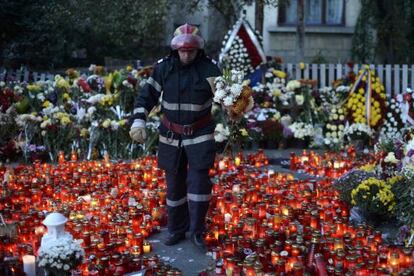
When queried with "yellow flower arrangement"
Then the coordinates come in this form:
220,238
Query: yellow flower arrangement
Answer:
374,196
356,103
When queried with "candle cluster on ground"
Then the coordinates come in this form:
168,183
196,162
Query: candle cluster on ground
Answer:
259,221
265,222
112,207
330,164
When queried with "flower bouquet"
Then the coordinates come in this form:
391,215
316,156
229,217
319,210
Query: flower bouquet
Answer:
235,97
61,256
233,94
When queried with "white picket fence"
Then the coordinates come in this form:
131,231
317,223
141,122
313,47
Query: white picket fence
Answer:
396,78
24,76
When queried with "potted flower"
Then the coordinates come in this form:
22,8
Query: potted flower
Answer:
61,256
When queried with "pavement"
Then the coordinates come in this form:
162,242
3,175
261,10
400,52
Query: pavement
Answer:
184,255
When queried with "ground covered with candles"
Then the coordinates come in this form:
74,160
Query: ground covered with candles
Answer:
261,220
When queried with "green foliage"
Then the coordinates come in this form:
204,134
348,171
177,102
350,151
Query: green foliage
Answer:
49,33
385,30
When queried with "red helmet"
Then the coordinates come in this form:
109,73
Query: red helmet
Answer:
187,37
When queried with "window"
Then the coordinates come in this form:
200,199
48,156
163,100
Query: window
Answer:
317,12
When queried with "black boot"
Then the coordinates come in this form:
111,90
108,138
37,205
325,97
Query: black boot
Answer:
198,240
174,239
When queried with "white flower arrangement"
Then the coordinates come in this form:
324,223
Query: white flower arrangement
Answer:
393,120
357,131
237,57
302,130
221,133
334,129
61,255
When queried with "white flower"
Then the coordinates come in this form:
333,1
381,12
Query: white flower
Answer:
95,98
228,101
91,110
236,90
46,123
219,95
221,133
66,267
299,99
301,130
390,158
114,125
92,67
292,85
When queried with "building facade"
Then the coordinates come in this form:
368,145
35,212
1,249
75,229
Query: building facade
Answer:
329,27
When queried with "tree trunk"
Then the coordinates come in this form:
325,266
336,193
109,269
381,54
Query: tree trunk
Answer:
259,15
300,32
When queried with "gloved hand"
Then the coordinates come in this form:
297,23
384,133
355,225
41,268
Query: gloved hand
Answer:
137,132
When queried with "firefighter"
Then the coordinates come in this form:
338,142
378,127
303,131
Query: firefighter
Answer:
186,142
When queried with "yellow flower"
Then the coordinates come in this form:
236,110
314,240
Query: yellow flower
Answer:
65,120
301,65
108,82
245,82
122,122
129,68
66,97
243,132
277,92
46,104
106,123
84,132
279,74
392,180
368,167
62,83
33,87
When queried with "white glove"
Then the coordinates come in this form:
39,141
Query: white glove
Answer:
137,132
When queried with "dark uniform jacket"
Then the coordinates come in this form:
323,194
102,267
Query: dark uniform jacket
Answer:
186,97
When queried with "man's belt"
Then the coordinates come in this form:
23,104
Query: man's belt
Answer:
186,130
